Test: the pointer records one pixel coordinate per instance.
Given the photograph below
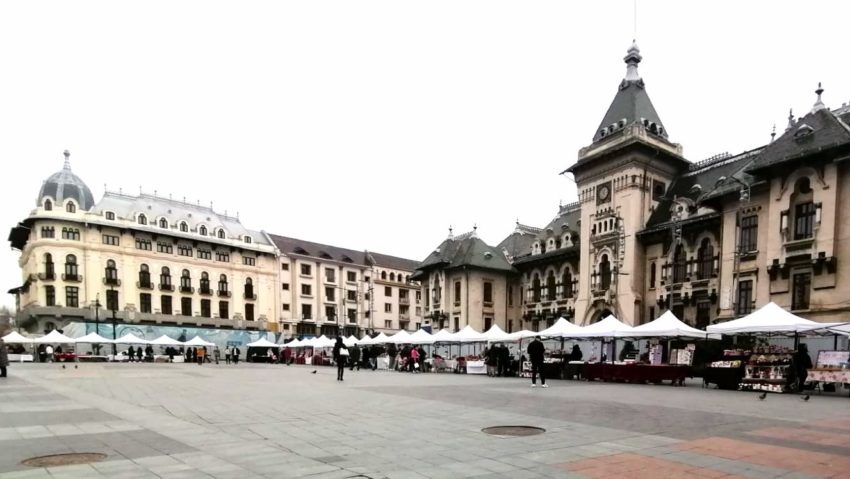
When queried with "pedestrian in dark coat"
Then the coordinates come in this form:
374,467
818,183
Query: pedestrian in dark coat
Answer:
355,357
535,355
340,356
4,358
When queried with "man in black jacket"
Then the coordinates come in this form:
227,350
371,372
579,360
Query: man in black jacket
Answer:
535,355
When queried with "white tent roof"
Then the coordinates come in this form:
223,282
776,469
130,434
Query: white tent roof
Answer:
350,341
380,339
165,341
444,336
609,327
131,338
197,341
561,329
469,335
524,334
668,326
365,340
307,343
421,337
54,337
401,337
323,342
496,334
295,343
262,343
770,318
16,338
93,338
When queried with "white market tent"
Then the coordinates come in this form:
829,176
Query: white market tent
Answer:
379,339
93,338
444,336
469,335
262,343
421,337
197,341
561,329
770,318
495,334
16,338
609,327
323,342
54,337
131,338
668,326
365,340
295,343
524,334
401,337
165,341
350,341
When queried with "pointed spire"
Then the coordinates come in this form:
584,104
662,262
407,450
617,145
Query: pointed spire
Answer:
773,133
632,59
451,234
67,165
790,119
475,230
819,103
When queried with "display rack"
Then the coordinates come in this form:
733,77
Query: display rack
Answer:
767,370
727,373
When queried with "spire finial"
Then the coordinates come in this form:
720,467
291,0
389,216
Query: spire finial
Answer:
451,235
475,230
67,165
819,103
790,119
632,59
773,133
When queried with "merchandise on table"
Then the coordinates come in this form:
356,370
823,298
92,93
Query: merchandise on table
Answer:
767,369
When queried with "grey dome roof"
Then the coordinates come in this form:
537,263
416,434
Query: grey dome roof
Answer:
64,185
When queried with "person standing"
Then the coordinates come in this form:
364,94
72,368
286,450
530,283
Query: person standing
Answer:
413,361
49,351
216,354
235,355
392,352
801,362
535,355
170,352
355,357
227,355
4,358
340,356
201,352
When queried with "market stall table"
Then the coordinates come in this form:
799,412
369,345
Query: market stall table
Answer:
830,375
476,367
637,373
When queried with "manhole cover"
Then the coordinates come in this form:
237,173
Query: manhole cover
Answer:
513,431
64,459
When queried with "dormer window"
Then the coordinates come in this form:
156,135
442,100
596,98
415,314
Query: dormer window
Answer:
803,131
248,239
70,207
221,234
142,219
109,215
48,205
184,227
163,223
202,230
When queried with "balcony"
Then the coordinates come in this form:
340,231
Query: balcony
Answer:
72,277
166,287
187,289
404,301
47,276
250,296
144,285
404,317
205,291
223,294
112,281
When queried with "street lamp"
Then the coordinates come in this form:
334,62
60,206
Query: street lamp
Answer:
97,319
114,307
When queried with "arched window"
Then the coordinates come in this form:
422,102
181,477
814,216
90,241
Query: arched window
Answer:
144,276
184,227
48,205
384,275
70,207
679,264
202,230
71,267
205,283
705,256
221,233
222,284
392,276
111,273
567,284
185,281
604,273
535,288
143,220
165,278
550,286
49,272
163,223
249,288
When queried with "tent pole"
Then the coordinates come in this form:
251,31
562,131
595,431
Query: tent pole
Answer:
835,343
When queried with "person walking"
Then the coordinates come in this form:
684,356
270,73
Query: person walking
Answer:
216,354
227,355
340,356
235,355
355,357
801,362
4,358
201,352
392,353
170,352
49,352
414,360
535,354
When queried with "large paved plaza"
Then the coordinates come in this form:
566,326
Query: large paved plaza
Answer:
246,421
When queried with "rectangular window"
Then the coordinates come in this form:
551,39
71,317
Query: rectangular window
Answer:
223,310
510,295
112,300
388,291
658,190
49,296
167,248
143,244
284,266
71,234
110,240
305,290
352,315
249,312
184,250
145,302
488,294
306,311
284,286
249,261
351,295
165,304
418,296
286,306
204,254
804,220
330,275
388,307
351,276
48,232
457,292
745,297
488,322
652,275
72,296
306,270
330,313
366,279
801,293
186,306
749,234
651,313
388,324
205,308
223,257
329,294
366,296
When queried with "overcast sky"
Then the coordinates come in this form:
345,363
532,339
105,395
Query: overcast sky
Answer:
376,125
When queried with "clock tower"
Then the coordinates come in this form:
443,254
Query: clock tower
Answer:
621,176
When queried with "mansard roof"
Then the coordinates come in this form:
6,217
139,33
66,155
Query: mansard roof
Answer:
299,247
466,250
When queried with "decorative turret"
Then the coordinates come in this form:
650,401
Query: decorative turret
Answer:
64,185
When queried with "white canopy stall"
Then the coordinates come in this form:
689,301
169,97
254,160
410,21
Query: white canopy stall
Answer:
561,329
54,337
421,337
669,326
262,343
496,334
198,341
131,338
16,338
770,318
165,341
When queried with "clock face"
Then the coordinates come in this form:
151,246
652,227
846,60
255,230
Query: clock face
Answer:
603,193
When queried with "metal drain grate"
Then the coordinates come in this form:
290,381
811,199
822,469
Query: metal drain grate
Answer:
64,459
513,431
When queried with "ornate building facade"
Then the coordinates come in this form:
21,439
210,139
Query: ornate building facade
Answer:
710,241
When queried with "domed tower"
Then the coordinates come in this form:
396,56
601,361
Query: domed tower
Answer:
65,185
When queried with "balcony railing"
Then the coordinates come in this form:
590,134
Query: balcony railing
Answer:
223,293
166,287
187,289
404,301
112,281
250,296
144,285
205,290
48,276
72,277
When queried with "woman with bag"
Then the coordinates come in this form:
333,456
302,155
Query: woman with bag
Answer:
340,356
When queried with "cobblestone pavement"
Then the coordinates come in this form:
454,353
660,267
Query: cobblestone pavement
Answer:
249,421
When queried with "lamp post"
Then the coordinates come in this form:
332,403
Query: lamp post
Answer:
97,320
743,200
114,307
